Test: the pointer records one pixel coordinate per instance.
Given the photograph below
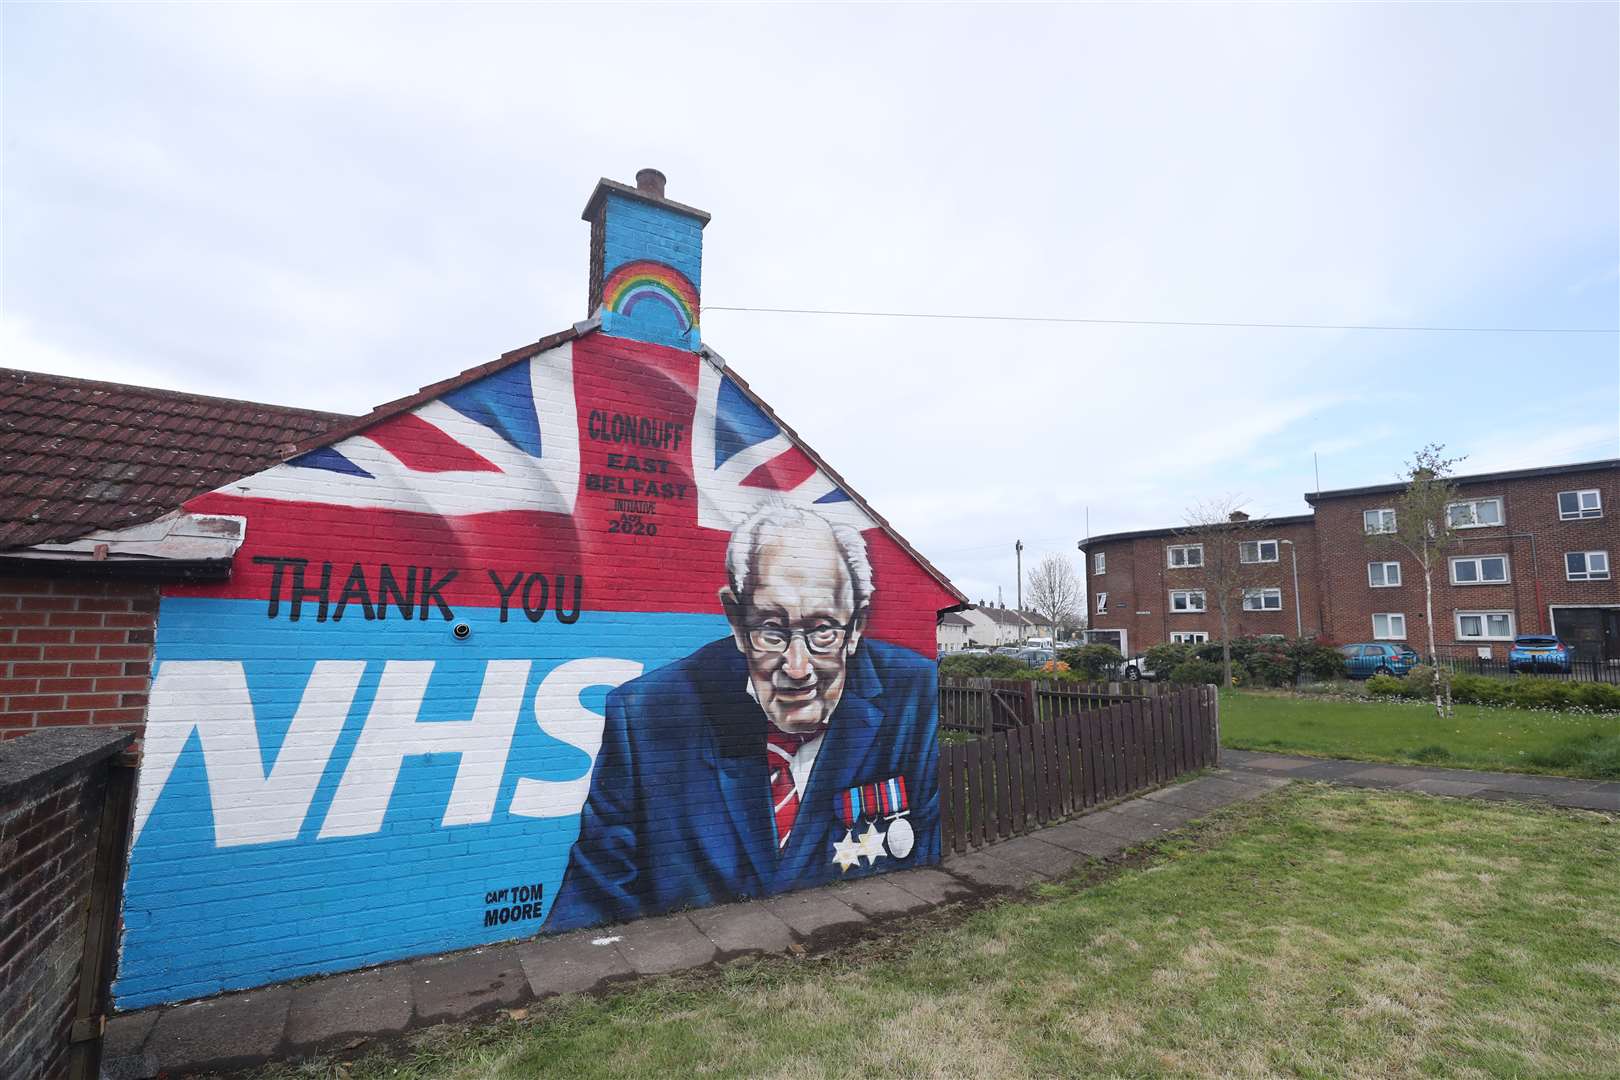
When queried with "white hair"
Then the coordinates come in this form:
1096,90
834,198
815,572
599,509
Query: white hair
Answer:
742,553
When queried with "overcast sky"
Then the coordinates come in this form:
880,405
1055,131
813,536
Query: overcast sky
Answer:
331,206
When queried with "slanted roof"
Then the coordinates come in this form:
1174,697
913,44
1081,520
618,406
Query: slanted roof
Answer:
952,618
77,456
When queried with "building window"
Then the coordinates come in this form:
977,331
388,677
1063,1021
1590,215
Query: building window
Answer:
1099,563
1188,637
1383,575
1187,600
1575,505
1479,570
1257,551
1182,555
1474,513
1102,603
1262,599
1389,626
1377,521
1485,625
1586,565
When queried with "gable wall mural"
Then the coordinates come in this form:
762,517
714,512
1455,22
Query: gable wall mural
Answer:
587,639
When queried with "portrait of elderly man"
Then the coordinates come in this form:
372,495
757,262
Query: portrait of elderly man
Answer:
792,752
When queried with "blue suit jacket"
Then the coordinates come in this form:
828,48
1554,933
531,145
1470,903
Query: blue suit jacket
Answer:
679,811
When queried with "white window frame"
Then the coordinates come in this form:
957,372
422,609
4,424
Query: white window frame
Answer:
1386,583
1102,603
1189,637
1381,530
1484,625
1262,595
1259,551
1478,561
1582,512
1473,513
1170,556
1390,618
1587,574
1099,562
1189,609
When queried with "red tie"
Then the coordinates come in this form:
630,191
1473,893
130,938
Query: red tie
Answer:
779,750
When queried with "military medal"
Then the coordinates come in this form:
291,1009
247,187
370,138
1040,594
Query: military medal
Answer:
872,803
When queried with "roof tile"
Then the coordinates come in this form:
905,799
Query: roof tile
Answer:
77,455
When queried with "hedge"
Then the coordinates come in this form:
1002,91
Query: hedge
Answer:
1522,692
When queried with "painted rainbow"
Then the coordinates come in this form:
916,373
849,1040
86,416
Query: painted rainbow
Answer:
645,281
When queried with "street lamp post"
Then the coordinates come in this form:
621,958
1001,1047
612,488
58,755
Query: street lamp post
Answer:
1293,558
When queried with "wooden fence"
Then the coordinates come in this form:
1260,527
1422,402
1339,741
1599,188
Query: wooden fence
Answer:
1069,757
986,706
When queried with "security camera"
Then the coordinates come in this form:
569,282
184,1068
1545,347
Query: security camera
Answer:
462,631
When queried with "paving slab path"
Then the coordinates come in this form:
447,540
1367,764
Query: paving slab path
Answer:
340,1011
1562,791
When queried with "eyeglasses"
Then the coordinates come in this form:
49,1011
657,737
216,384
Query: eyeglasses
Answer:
821,640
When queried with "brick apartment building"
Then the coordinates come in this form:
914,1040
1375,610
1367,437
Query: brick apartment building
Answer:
1533,556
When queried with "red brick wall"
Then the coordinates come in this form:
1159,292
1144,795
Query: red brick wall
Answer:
1138,580
74,651
1530,521
52,790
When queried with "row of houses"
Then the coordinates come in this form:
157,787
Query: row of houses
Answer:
1533,556
987,626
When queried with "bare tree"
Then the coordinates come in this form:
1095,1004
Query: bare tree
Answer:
1220,527
1054,592
1423,528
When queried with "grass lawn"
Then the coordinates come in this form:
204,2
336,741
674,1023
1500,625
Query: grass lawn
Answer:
1477,737
1318,932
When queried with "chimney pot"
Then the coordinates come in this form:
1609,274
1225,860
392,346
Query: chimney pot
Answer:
651,181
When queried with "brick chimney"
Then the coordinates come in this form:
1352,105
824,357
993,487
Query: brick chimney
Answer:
646,261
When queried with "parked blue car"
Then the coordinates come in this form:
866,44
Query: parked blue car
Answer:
1366,659
1539,652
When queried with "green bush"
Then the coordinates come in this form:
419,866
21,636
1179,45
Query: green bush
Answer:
1196,672
1167,657
1603,697
1091,663
1386,686
994,666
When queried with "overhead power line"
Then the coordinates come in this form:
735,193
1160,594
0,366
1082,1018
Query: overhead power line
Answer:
1169,322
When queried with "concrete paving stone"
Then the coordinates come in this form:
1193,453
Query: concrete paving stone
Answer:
230,1032
1590,800
1245,786
1392,774
743,929
127,1032
122,1056
1199,796
1539,785
1133,830
930,885
1167,814
1329,769
879,898
573,963
664,944
986,871
375,1002
1032,852
1456,788
1076,836
468,983
815,915
1283,764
